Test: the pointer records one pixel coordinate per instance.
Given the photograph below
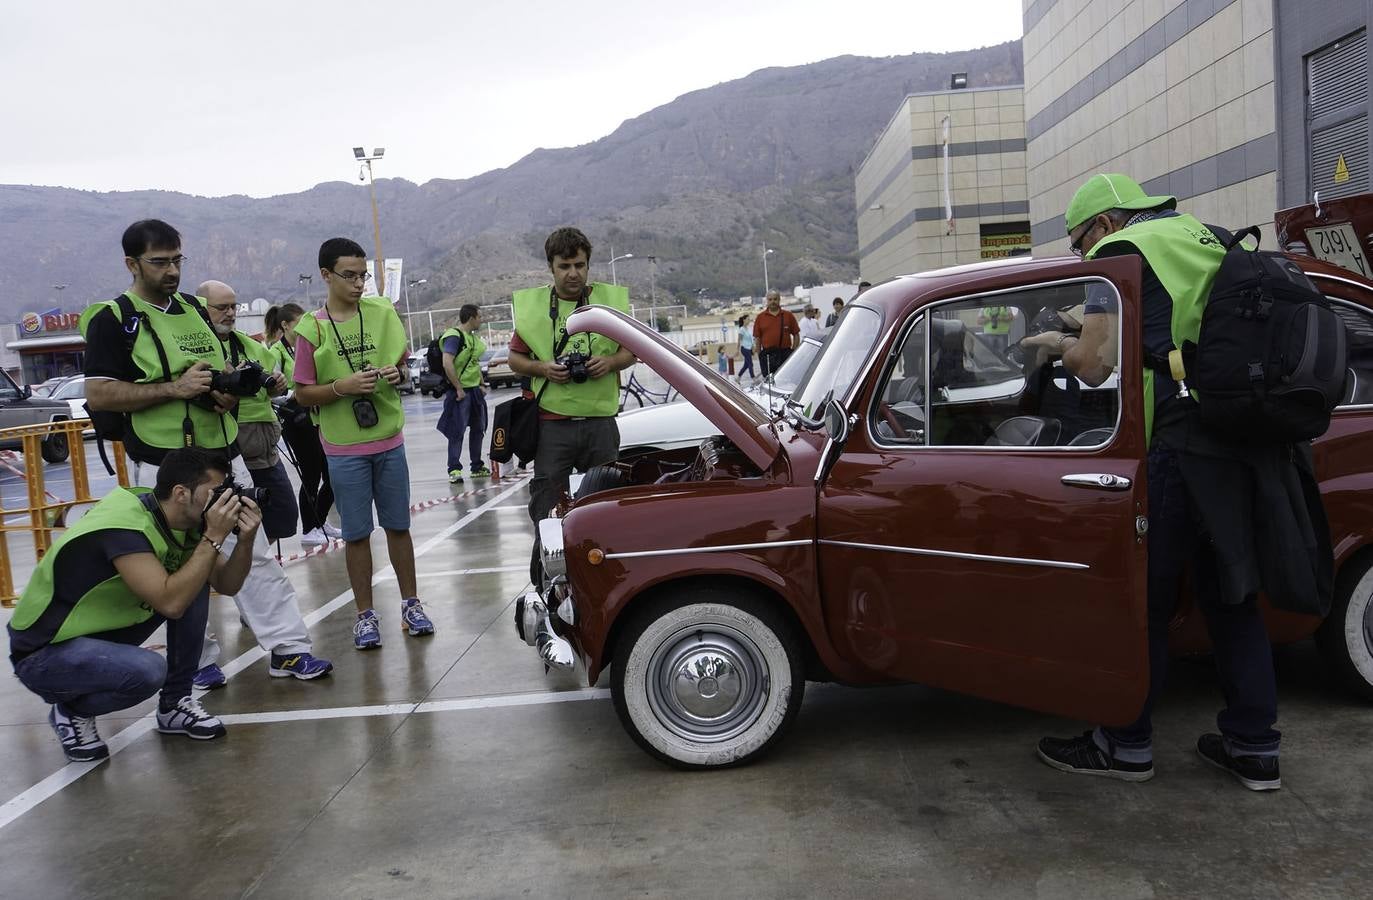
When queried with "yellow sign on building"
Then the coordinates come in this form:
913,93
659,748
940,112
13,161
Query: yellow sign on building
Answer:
1341,170
999,246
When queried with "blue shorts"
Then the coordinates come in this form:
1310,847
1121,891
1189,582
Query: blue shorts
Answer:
358,481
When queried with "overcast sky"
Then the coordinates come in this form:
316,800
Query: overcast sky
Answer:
263,98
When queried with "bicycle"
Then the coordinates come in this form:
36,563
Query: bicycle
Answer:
634,392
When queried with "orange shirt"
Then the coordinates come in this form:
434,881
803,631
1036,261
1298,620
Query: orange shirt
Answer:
773,331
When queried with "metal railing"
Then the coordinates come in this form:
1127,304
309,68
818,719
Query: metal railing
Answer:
47,512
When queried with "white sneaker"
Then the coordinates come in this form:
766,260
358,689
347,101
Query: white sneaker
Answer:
331,532
314,537
188,717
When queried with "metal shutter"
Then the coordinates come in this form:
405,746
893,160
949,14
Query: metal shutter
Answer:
1337,115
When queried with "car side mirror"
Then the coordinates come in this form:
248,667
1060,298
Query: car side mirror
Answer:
27,392
836,420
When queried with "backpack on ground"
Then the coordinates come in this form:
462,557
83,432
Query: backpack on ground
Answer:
1270,360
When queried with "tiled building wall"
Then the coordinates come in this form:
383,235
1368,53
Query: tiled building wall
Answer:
1178,94
899,187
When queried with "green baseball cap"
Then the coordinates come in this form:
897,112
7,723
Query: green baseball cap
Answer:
1103,192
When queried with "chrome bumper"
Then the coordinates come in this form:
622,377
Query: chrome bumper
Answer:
534,623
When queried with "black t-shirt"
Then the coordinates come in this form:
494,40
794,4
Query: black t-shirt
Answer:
86,562
107,346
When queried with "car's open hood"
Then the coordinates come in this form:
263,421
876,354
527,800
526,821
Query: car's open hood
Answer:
728,408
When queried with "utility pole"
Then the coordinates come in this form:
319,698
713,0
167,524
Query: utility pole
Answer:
361,155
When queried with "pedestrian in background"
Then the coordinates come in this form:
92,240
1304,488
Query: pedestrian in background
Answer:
745,348
464,397
775,334
810,324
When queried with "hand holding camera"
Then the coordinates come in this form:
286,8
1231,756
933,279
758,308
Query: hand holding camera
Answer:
239,505
392,375
359,383
194,382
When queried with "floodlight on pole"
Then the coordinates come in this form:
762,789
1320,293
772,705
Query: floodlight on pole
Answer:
409,328
305,279
766,286
614,259
361,155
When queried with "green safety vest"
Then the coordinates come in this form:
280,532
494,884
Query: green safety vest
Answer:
998,320
1185,256
110,604
385,345
593,397
468,361
285,361
257,408
186,339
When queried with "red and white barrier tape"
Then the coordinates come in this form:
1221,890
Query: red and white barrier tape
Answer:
322,549
7,460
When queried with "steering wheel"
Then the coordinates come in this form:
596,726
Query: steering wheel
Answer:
898,430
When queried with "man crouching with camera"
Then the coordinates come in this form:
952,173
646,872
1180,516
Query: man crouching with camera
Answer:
574,377
135,560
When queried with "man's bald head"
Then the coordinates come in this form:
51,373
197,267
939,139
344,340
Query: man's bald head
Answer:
222,303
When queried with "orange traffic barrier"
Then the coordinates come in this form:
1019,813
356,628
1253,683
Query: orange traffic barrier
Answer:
47,512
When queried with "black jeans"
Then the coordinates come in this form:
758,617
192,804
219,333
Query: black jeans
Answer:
316,494
106,672
1244,656
771,359
279,513
565,445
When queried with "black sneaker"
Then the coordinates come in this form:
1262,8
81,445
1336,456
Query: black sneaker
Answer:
188,717
1258,773
1082,756
80,741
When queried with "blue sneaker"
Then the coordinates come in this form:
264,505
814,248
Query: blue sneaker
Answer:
413,619
207,678
299,665
367,631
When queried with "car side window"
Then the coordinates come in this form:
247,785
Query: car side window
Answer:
988,372
1358,324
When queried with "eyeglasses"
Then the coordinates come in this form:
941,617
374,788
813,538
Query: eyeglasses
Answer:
222,307
163,262
356,278
1076,246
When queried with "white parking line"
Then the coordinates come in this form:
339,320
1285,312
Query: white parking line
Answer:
71,772
448,573
429,706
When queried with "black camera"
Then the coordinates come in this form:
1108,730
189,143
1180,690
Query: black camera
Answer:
245,381
258,495
575,363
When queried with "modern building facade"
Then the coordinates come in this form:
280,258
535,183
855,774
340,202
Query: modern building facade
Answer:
1236,107
903,222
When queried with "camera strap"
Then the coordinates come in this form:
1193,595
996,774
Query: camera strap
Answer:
149,501
348,357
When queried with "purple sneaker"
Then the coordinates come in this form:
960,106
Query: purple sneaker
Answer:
208,678
298,665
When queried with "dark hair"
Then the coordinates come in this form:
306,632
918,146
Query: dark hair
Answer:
148,234
864,284
839,300
335,248
565,242
189,467
273,321
742,320
468,312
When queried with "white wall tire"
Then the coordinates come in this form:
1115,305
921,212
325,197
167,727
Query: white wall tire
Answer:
1346,637
707,678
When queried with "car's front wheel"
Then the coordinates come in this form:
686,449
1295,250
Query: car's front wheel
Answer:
707,678
1346,636
54,447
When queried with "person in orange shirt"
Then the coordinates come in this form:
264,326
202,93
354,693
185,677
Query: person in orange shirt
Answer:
775,333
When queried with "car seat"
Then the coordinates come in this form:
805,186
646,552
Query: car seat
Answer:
1026,431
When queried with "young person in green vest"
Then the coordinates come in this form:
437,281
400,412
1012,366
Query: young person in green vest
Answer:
136,559
996,326
300,432
464,400
168,406
1191,510
350,358
577,427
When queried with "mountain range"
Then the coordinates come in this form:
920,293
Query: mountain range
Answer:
700,183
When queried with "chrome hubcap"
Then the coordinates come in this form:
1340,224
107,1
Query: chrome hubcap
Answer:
707,682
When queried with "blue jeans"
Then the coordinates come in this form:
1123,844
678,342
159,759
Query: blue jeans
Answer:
106,672
360,480
747,367
1244,656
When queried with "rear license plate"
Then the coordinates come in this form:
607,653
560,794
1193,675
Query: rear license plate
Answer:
1338,244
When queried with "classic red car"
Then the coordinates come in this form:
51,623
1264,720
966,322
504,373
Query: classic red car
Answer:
922,510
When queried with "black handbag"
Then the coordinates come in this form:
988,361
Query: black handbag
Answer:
515,429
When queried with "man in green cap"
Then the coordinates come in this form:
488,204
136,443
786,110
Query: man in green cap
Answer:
1112,215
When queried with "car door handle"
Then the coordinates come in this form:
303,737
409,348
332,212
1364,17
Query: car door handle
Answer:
1099,482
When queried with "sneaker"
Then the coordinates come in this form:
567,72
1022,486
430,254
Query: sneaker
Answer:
1082,756
413,619
1258,773
314,536
298,665
481,471
455,476
80,741
367,631
332,532
188,717
207,678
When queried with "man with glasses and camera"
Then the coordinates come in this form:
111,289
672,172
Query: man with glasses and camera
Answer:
573,377
135,560
350,359
157,376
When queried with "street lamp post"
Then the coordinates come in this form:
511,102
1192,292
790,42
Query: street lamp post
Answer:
613,260
304,279
766,286
653,291
361,155
410,328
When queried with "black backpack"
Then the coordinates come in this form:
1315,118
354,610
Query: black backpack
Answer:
437,381
1270,360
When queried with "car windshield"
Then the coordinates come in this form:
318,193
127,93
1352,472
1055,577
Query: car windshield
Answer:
72,390
841,359
789,375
